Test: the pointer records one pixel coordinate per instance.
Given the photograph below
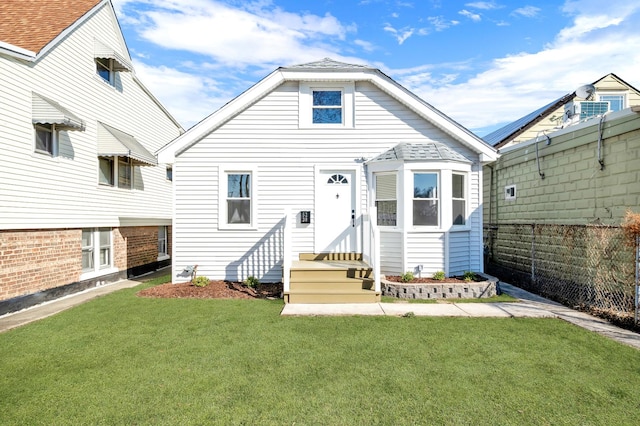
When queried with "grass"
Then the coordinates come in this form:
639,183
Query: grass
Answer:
121,360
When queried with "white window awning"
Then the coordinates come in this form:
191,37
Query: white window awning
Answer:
48,111
102,51
115,143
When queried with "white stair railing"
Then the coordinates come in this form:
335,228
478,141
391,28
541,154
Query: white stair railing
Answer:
286,251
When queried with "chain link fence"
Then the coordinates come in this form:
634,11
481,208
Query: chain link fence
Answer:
587,267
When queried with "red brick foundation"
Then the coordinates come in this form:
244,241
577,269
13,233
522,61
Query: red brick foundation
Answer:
33,261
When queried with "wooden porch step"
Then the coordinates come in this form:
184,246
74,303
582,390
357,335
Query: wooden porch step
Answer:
331,278
362,296
330,256
338,284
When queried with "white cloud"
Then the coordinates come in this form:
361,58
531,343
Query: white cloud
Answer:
473,16
440,23
527,11
485,5
401,35
188,97
238,37
591,47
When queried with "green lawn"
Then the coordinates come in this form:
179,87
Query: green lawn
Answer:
122,360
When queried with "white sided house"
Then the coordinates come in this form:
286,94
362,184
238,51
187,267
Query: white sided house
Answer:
83,199
326,161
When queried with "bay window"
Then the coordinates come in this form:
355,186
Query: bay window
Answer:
425,199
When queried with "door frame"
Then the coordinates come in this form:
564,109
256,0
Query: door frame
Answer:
357,198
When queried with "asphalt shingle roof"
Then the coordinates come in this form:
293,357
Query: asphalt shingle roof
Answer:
420,152
32,24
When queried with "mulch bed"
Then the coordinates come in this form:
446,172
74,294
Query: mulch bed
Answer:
215,290
416,280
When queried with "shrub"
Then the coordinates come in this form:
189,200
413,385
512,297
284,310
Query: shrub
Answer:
407,276
439,276
631,227
252,282
469,276
200,281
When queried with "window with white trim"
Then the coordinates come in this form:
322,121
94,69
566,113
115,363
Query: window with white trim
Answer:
104,68
425,199
386,199
110,167
326,105
459,199
46,139
169,173
96,249
162,241
616,101
238,202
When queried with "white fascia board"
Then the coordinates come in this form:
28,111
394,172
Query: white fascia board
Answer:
168,153
71,28
437,118
17,52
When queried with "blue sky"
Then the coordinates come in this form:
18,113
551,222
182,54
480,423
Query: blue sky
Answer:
482,63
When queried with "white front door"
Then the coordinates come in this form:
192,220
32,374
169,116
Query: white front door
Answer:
336,222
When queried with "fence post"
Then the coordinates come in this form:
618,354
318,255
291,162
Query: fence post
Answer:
533,253
637,278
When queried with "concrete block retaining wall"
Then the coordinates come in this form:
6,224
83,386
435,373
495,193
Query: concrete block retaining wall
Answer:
467,290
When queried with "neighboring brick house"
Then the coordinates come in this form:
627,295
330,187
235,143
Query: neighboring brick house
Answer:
83,199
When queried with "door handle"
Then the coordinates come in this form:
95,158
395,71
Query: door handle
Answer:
353,218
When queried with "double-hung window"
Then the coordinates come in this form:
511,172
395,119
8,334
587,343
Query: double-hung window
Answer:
239,199
386,200
96,249
104,68
425,199
459,199
45,138
163,249
329,106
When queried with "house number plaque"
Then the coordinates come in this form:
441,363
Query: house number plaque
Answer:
305,216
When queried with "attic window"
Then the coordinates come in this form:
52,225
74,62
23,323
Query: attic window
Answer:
108,62
327,105
104,69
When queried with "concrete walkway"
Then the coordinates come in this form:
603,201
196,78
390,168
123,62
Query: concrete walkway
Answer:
530,306
47,309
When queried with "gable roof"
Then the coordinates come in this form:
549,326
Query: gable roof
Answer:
32,24
325,70
505,134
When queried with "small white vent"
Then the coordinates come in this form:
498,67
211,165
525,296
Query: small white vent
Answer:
510,192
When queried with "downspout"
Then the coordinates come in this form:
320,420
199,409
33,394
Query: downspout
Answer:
600,130
537,152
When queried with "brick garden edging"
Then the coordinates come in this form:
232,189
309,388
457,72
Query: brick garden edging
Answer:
466,290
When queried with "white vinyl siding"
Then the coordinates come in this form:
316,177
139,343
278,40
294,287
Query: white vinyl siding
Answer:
459,253
267,138
391,251
426,249
62,191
